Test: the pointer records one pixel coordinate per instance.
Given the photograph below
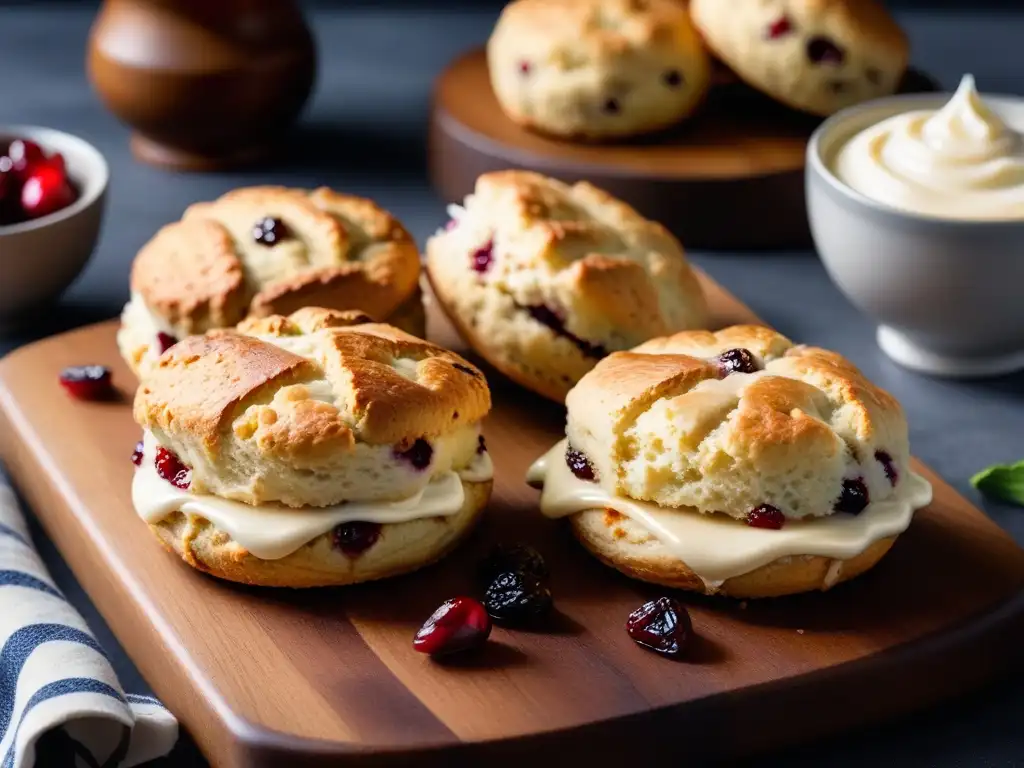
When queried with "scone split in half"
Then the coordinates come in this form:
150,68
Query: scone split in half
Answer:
311,450
734,463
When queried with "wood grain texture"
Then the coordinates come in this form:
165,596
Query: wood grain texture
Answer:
266,677
733,177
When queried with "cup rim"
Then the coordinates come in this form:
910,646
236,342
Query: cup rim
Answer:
816,163
95,181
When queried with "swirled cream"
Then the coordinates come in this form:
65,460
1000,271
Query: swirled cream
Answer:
719,547
959,162
271,531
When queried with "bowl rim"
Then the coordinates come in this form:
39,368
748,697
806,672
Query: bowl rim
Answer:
816,163
55,139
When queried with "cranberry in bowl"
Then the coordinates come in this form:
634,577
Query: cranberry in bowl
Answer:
52,191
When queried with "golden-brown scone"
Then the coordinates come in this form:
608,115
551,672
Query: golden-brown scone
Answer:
259,251
818,56
597,69
543,279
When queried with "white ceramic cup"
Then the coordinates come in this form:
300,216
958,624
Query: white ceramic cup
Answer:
948,295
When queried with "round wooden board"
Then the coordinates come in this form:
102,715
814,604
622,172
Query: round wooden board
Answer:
732,178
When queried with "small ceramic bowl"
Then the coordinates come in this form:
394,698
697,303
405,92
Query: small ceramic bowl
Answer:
40,258
947,294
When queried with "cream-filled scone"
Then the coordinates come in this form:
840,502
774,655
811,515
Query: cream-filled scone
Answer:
543,279
597,69
732,462
818,56
260,251
308,450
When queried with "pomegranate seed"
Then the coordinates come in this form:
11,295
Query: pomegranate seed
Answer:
579,465
853,498
137,454
886,461
170,468
821,50
482,258
460,624
736,361
355,537
419,455
766,516
46,189
269,231
779,28
10,192
662,626
87,382
164,341
24,154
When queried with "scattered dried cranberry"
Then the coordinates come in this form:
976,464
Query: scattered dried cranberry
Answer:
853,498
170,468
579,464
419,454
821,50
766,516
886,461
779,28
46,188
611,106
662,626
672,78
482,258
137,454
87,382
164,341
736,361
355,537
548,317
517,558
517,598
481,444
269,231
460,624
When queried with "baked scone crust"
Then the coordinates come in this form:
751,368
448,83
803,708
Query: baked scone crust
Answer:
817,56
611,278
401,548
597,69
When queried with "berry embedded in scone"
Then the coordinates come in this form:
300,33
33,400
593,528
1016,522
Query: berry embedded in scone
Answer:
732,462
599,69
258,251
818,56
543,279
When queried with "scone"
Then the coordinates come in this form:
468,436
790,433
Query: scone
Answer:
310,450
260,251
818,56
597,69
543,279
733,463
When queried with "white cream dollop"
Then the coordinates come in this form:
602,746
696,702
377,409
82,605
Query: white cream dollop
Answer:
718,547
273,531
960,162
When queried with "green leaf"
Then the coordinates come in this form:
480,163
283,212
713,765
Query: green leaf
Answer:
1002,481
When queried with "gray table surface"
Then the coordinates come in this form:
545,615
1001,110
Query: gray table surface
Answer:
365,132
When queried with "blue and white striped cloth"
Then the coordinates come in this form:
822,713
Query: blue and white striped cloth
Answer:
60,701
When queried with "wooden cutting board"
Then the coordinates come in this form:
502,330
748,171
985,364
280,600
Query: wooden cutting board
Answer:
268,677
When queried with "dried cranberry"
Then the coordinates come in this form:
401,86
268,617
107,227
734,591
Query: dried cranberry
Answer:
821,50
662,626
481,444
171,469
419,454
164,341
460,624
137,454
517,598
269,231
736,361
46,188
355,537
853,498
548,317
524,68
779,28
672,78
611,106
482,258
766,516
87,382
579,464
886,461
517,558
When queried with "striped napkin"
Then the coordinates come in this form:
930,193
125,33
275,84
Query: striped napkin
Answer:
60,701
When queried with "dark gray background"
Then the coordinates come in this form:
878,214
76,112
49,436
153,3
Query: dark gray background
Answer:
364,132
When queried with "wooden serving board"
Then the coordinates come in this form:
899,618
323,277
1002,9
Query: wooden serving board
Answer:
268,677
732,177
